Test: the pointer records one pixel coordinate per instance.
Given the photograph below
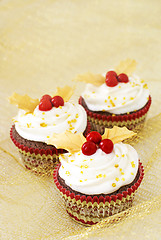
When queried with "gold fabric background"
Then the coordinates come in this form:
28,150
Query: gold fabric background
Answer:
44,44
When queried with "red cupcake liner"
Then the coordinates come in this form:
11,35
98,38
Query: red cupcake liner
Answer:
80,207
40,160
121,120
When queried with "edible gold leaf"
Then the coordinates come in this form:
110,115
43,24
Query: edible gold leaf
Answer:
24,102
67,140
65,92
118,134
127,66
96,79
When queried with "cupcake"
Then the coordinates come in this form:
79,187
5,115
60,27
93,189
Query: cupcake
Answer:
101,179
119,98
38,120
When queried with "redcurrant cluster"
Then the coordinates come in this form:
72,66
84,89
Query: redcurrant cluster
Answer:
94,141
112,79
47,102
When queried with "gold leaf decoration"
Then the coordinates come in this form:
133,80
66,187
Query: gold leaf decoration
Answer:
96,79
67,140
127,66
24,102
118,134
65,92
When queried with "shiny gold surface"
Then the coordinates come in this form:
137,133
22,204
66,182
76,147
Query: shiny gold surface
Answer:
45,44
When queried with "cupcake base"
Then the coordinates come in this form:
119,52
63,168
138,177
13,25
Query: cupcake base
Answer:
38,156
100,120
90,209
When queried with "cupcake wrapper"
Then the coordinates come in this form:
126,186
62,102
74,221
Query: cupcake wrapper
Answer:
132,121
40,160
90,210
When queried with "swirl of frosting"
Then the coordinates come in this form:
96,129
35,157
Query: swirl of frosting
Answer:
123,98
40,125
100,173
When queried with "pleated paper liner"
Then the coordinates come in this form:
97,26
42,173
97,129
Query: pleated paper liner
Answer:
89,210
133,121
40,161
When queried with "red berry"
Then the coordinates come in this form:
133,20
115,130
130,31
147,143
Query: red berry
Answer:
46,96
111,73
89,148
123,78
45,105
57,101
106,145
111,81
94,137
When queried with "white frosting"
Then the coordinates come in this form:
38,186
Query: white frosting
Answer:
39,125
100,172
123,98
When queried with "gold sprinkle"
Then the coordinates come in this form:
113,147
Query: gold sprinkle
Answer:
117,155
72,160
120,169
54,124
122,173
78,153
108,106
73,120
109,97
112,103
57,115
123,103
62,166
67,173
43,118
69,122
132,173
84,166
124,98
48,137
105,101
115,98
104,175
93,92
43,124
113,184
69,115
142,81
99,176
43,113
119,86
71,128
128,113
85,179
145,86
113,115
131,98
80,180
117,179
81,172
77,115
84,160
123,179
65,112
28,125
116,165
60,107
69,155
91,159
123,155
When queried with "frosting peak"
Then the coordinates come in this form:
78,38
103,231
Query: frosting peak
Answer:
40,125
100,172
123,98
